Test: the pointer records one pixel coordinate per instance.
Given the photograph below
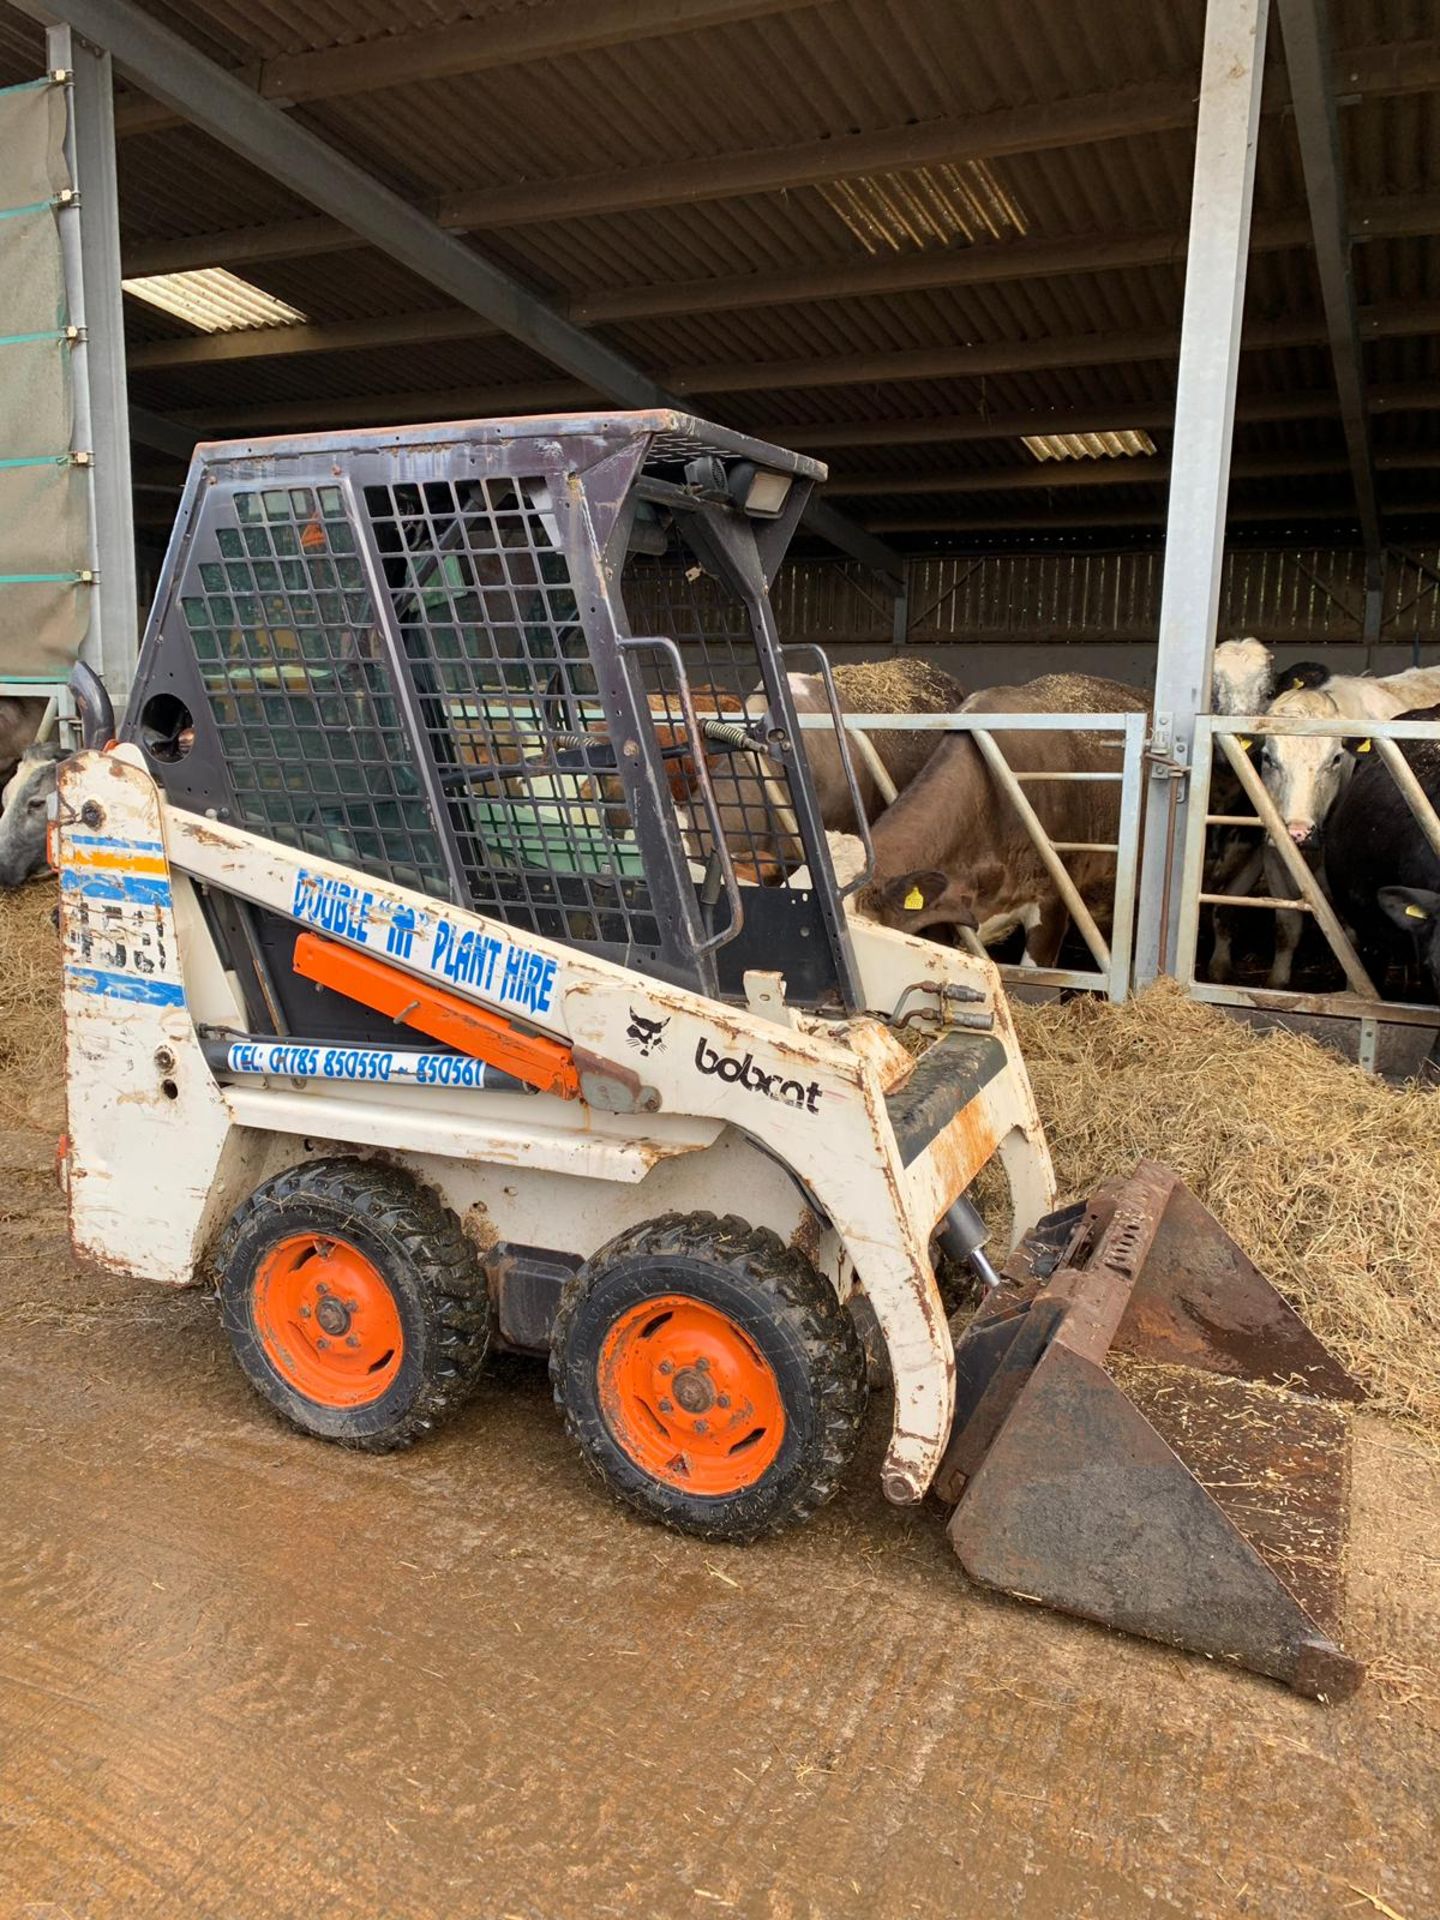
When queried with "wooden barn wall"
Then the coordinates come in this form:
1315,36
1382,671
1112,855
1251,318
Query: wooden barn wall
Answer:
1310,595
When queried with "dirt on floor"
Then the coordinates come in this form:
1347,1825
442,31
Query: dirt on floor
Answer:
248,1676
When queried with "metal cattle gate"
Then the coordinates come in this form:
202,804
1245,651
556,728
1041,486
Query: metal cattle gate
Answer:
1361,999
1110,973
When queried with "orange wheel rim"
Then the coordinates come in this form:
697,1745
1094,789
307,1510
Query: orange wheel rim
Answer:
327,1321
690,1397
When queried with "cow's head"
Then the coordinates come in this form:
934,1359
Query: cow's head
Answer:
1242,676
23,808
1304,777
1300,674
1416,911
922,902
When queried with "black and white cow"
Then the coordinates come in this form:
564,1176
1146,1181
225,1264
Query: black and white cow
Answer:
1383,872
1305,776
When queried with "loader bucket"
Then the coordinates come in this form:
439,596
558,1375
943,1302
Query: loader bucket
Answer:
1147,1435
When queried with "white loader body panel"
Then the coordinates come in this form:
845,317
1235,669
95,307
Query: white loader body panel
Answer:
782,1121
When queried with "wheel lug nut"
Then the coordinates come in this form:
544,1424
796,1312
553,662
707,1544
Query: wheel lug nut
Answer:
304,1313
322,1342
665,1367
665,1407
352,1306
703,1364
320,1287
722,1399
702,1426
352,1340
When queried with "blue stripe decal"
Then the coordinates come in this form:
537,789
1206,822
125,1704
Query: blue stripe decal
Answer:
145,889
127,986
35,460
122,846
39,579
28,86
14,213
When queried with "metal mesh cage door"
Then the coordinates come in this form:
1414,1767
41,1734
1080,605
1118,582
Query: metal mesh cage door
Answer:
696,593
514,688
308,740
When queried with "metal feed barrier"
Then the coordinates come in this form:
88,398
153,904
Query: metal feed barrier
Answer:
59,715
1126,731
1361,999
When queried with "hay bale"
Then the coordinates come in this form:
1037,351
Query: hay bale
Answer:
1327,1177
31,1073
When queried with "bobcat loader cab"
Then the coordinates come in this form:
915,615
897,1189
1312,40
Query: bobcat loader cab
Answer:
453,954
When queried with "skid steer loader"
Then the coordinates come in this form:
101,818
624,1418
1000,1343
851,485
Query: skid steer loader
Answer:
453,956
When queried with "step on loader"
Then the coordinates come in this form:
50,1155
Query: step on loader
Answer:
454,958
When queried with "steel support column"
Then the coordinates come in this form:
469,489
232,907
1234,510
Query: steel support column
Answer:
90,240
1230,86
1310,60
170,70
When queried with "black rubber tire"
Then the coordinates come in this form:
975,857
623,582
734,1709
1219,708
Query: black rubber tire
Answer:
429,1266
791,1313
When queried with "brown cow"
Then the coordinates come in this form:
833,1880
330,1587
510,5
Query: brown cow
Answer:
870,686
953,852
757,815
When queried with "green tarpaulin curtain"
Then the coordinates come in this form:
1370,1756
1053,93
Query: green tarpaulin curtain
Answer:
44,605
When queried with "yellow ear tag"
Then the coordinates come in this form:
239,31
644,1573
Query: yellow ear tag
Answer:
1415,913
1244,745
1364,747
914,900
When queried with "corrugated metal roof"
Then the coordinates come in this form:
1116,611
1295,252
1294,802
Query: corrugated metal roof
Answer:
812,70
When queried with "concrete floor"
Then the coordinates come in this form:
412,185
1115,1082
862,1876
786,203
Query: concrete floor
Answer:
243,1674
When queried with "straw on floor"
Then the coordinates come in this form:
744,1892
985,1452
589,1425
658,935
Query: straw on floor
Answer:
1327,1177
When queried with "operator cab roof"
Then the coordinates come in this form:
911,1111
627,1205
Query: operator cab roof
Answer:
675,438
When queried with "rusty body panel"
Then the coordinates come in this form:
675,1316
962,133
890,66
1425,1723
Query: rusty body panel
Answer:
1149,1436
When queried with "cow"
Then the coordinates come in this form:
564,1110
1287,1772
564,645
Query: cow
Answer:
19,722
869,686
1242,682
23,812
1384,875
951,852
757,813
1242,677
1306,776
1300,674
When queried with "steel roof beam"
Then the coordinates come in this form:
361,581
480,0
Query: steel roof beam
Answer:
1239,516
958,429
431,52
580,26
1309,60
1058,353
1152,109
1410,67
1026,356
160,433
955,267
171,70
1047,476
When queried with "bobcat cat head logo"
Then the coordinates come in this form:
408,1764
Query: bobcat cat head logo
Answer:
646,1036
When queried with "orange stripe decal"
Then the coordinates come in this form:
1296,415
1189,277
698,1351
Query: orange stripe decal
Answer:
541,1062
